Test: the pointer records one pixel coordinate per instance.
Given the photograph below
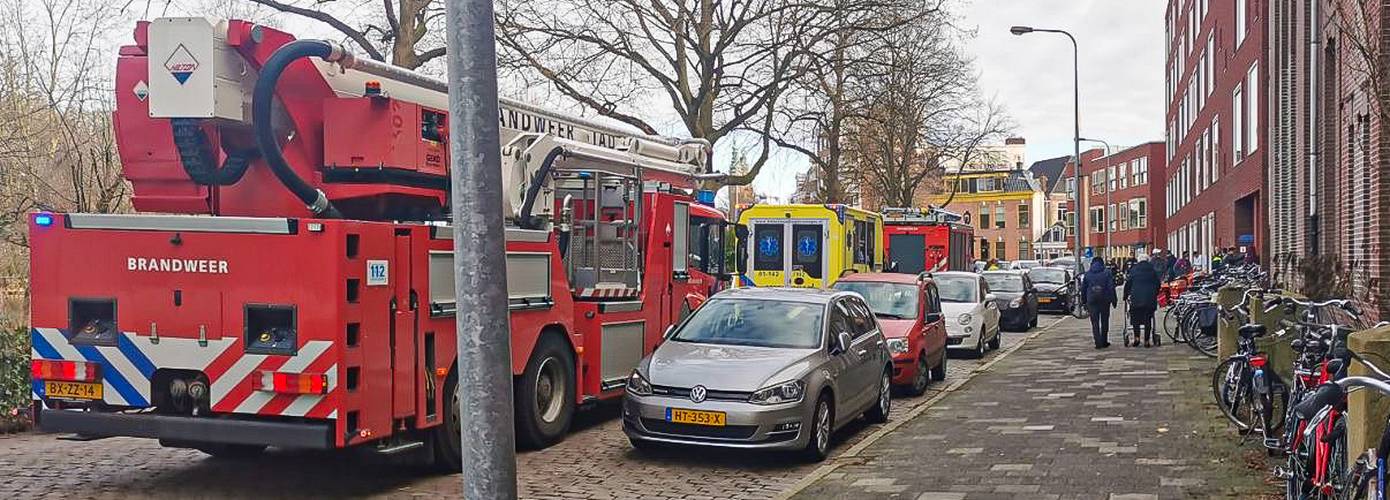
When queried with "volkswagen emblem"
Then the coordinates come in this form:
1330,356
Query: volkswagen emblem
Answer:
697,393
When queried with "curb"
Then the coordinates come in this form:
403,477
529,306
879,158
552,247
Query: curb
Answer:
854,451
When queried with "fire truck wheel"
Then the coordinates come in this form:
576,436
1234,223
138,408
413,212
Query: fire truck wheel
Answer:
545,395
448,448
231,451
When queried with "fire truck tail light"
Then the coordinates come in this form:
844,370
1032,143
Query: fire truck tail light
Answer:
79,371
293,383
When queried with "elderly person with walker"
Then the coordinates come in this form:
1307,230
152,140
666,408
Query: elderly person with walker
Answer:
1141,300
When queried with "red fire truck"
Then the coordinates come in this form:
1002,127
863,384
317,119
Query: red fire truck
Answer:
914,241
289,281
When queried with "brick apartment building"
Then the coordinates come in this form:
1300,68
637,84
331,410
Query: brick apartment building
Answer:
1125,200
1216,121
1328,159
1006,206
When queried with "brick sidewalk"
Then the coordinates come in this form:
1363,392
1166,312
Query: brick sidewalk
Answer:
1058,419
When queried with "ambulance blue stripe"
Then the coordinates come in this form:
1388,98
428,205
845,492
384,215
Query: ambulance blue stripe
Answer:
136,357
113,376
38,388
41,344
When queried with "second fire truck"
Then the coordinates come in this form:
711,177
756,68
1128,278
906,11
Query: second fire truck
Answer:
289,281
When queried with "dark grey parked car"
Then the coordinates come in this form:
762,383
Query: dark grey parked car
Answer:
760,368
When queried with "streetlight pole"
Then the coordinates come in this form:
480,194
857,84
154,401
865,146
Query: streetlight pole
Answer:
1108,189
1076,136
483,387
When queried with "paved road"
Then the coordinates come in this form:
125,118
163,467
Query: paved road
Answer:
1058,419
596,461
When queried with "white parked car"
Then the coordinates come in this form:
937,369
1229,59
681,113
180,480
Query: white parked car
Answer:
972,318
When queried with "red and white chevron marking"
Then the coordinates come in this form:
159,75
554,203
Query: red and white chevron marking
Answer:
233,385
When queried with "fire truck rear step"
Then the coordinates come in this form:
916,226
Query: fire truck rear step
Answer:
396,448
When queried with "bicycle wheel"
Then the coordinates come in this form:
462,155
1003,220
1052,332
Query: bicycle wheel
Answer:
1203,341
1230,386
1170,323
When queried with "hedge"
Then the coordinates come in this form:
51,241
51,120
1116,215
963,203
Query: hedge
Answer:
15,387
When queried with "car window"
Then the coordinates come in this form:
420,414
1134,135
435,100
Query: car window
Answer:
1005,282
984,289
1048,275
751,322
933,300
860,318
839,320
957,288
893,300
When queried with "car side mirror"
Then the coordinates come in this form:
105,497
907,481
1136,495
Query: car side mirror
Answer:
932,317
990,297
842,342
740,248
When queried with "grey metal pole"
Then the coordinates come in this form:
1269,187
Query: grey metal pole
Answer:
480,266
1076,137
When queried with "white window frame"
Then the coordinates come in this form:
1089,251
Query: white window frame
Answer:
1252,108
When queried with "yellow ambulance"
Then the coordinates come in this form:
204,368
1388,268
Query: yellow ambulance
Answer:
809,245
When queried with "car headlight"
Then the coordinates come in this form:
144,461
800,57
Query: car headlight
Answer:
965,319
638,385
1015,303
897,346
786,392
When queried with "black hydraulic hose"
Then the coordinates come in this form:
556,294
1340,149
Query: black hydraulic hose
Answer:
261,98
534,189
191,143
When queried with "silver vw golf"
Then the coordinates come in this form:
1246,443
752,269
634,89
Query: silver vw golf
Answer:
759,368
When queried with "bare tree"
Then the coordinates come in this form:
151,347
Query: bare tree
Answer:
408,32
722,66
833,92
57,150
922,115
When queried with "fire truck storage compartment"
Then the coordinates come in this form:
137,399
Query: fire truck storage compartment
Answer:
528,274
622,350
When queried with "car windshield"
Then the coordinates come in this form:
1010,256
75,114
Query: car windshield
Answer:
752,322
1027,264
892,300
1048,275
956,288
1002,282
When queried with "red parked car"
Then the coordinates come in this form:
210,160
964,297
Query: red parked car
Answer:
909,312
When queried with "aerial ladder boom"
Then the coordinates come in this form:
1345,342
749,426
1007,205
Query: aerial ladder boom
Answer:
342,131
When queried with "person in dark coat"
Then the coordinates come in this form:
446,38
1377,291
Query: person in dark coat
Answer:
1098,285
1141,291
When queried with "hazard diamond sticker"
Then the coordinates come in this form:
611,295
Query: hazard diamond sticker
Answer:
141,91
181,64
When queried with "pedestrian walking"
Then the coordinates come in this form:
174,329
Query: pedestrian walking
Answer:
1141,292
1099,287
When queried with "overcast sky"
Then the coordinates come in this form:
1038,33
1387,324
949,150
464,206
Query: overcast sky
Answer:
1121,54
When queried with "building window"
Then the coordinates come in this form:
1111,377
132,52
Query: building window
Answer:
1124,175
984,216
1071,188
1141,171
1110,174
1023,216
1240,22
1025,250
1000,250
1142,209
1097,216
984,249
1071,223
1114,223
999,217
1238,124
1122,215
1252,108
1215,150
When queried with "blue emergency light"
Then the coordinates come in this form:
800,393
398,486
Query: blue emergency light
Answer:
44,220
705,197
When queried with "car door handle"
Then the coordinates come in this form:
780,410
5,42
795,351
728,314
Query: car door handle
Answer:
863,352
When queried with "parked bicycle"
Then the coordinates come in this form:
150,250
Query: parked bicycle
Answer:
1249,393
